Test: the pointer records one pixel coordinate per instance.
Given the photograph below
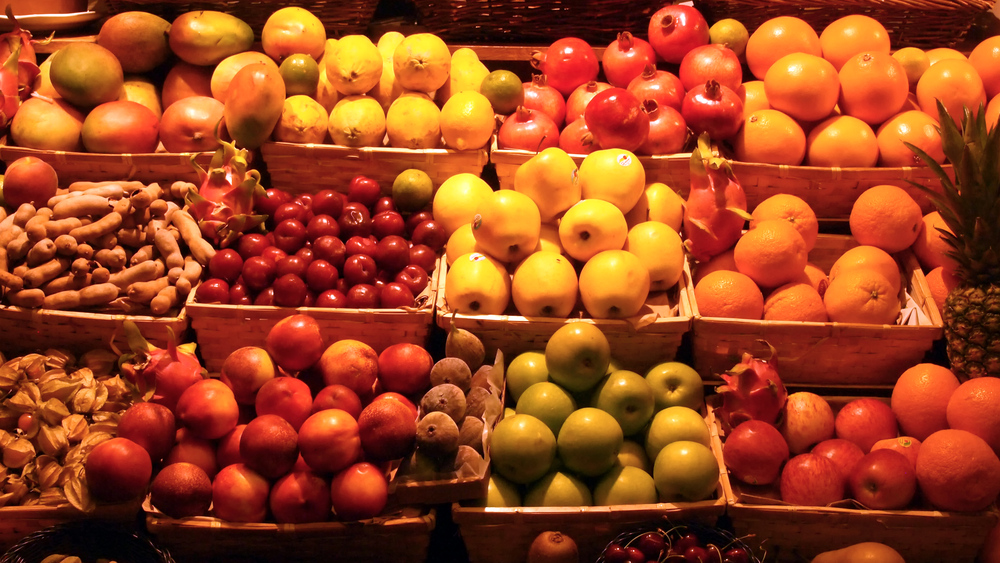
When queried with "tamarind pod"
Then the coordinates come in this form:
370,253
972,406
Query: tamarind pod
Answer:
100,275
10,234
183,286
58,227
82,205
18,248
144,291
24,213
110,191
165,300
157,208
35,226
169,249
37,276
180,189
27,298
113,259
132,237
82,185
41,252
144,271
200,249
106,224
84,251
143,253
90,296
143,197
81,266
69,282
66,245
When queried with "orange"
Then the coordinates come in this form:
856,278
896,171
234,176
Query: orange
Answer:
914,127
911,103
930,247
861,296
852,34
816,277
772,253
993,111
722,261
940,282
729,294
944,54
973,407
886,216
956,84
793,209
985,58
795,301
842,141
753,96
769,136
778,37
804,86
920,399
873,87
957,470
869,258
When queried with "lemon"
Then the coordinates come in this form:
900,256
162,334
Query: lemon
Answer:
504,90
614,175
413,122
357,121
467,121
731,33
303,120
457,199
421,62
300,73
914,61
412,190
354,66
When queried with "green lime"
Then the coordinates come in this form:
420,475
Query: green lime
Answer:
412,190
731,33
300,73
504,90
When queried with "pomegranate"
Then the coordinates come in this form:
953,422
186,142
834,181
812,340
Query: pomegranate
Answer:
568,63
714,109
675,29
528,130
616,119
625,58
711,62
576,102
667,130
576,138
659,85
538,95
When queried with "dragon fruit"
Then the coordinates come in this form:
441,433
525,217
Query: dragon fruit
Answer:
18,44
224,203
716,207
753,391
10,100
160,374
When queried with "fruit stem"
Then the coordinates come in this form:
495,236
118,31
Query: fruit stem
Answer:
625,41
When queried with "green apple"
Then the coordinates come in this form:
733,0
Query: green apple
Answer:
676,384
626,396
509,412
577,356
685,470
558,488
589,442
634,454
501,493
547,402
526,369
673,424
625,484
522,448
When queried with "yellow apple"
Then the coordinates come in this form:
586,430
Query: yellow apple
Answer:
456,200
548,238
477,285
661,249
544,285
550,178
614,284
614,175
592,226
507,225
461,242
659,202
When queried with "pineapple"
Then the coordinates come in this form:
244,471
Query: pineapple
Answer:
971,208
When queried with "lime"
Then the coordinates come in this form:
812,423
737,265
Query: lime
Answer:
731,33
504,90
300,73
412,190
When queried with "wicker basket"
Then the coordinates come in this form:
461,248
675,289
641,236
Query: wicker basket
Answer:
828,354
339,17
484,21
150,167
910,23
401,536
798,533
637,346
20,524
221,329
298,168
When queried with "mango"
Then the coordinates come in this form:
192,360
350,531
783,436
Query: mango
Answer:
137,39
86,75
205,37
254,103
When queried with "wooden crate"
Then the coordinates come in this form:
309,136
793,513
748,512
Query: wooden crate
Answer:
636,344
826,354
308,168
798,533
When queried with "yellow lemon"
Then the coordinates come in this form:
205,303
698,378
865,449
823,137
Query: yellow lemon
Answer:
413,122
467,121
456,200
422,62
303,120
357,121
662,251
614,175
355,66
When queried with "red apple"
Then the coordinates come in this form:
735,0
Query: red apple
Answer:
269,203
239,494
321,276
807,420
291,264
865,421
290,291
811,480
616,119
906,445
414,219
883,480
754,452
338,396
843,453
384,203
295,342
212,290
227,264
291,210
360,245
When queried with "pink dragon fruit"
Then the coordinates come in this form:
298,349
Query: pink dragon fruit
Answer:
716,207
10,99
18,43
160,374
753,391
224,204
